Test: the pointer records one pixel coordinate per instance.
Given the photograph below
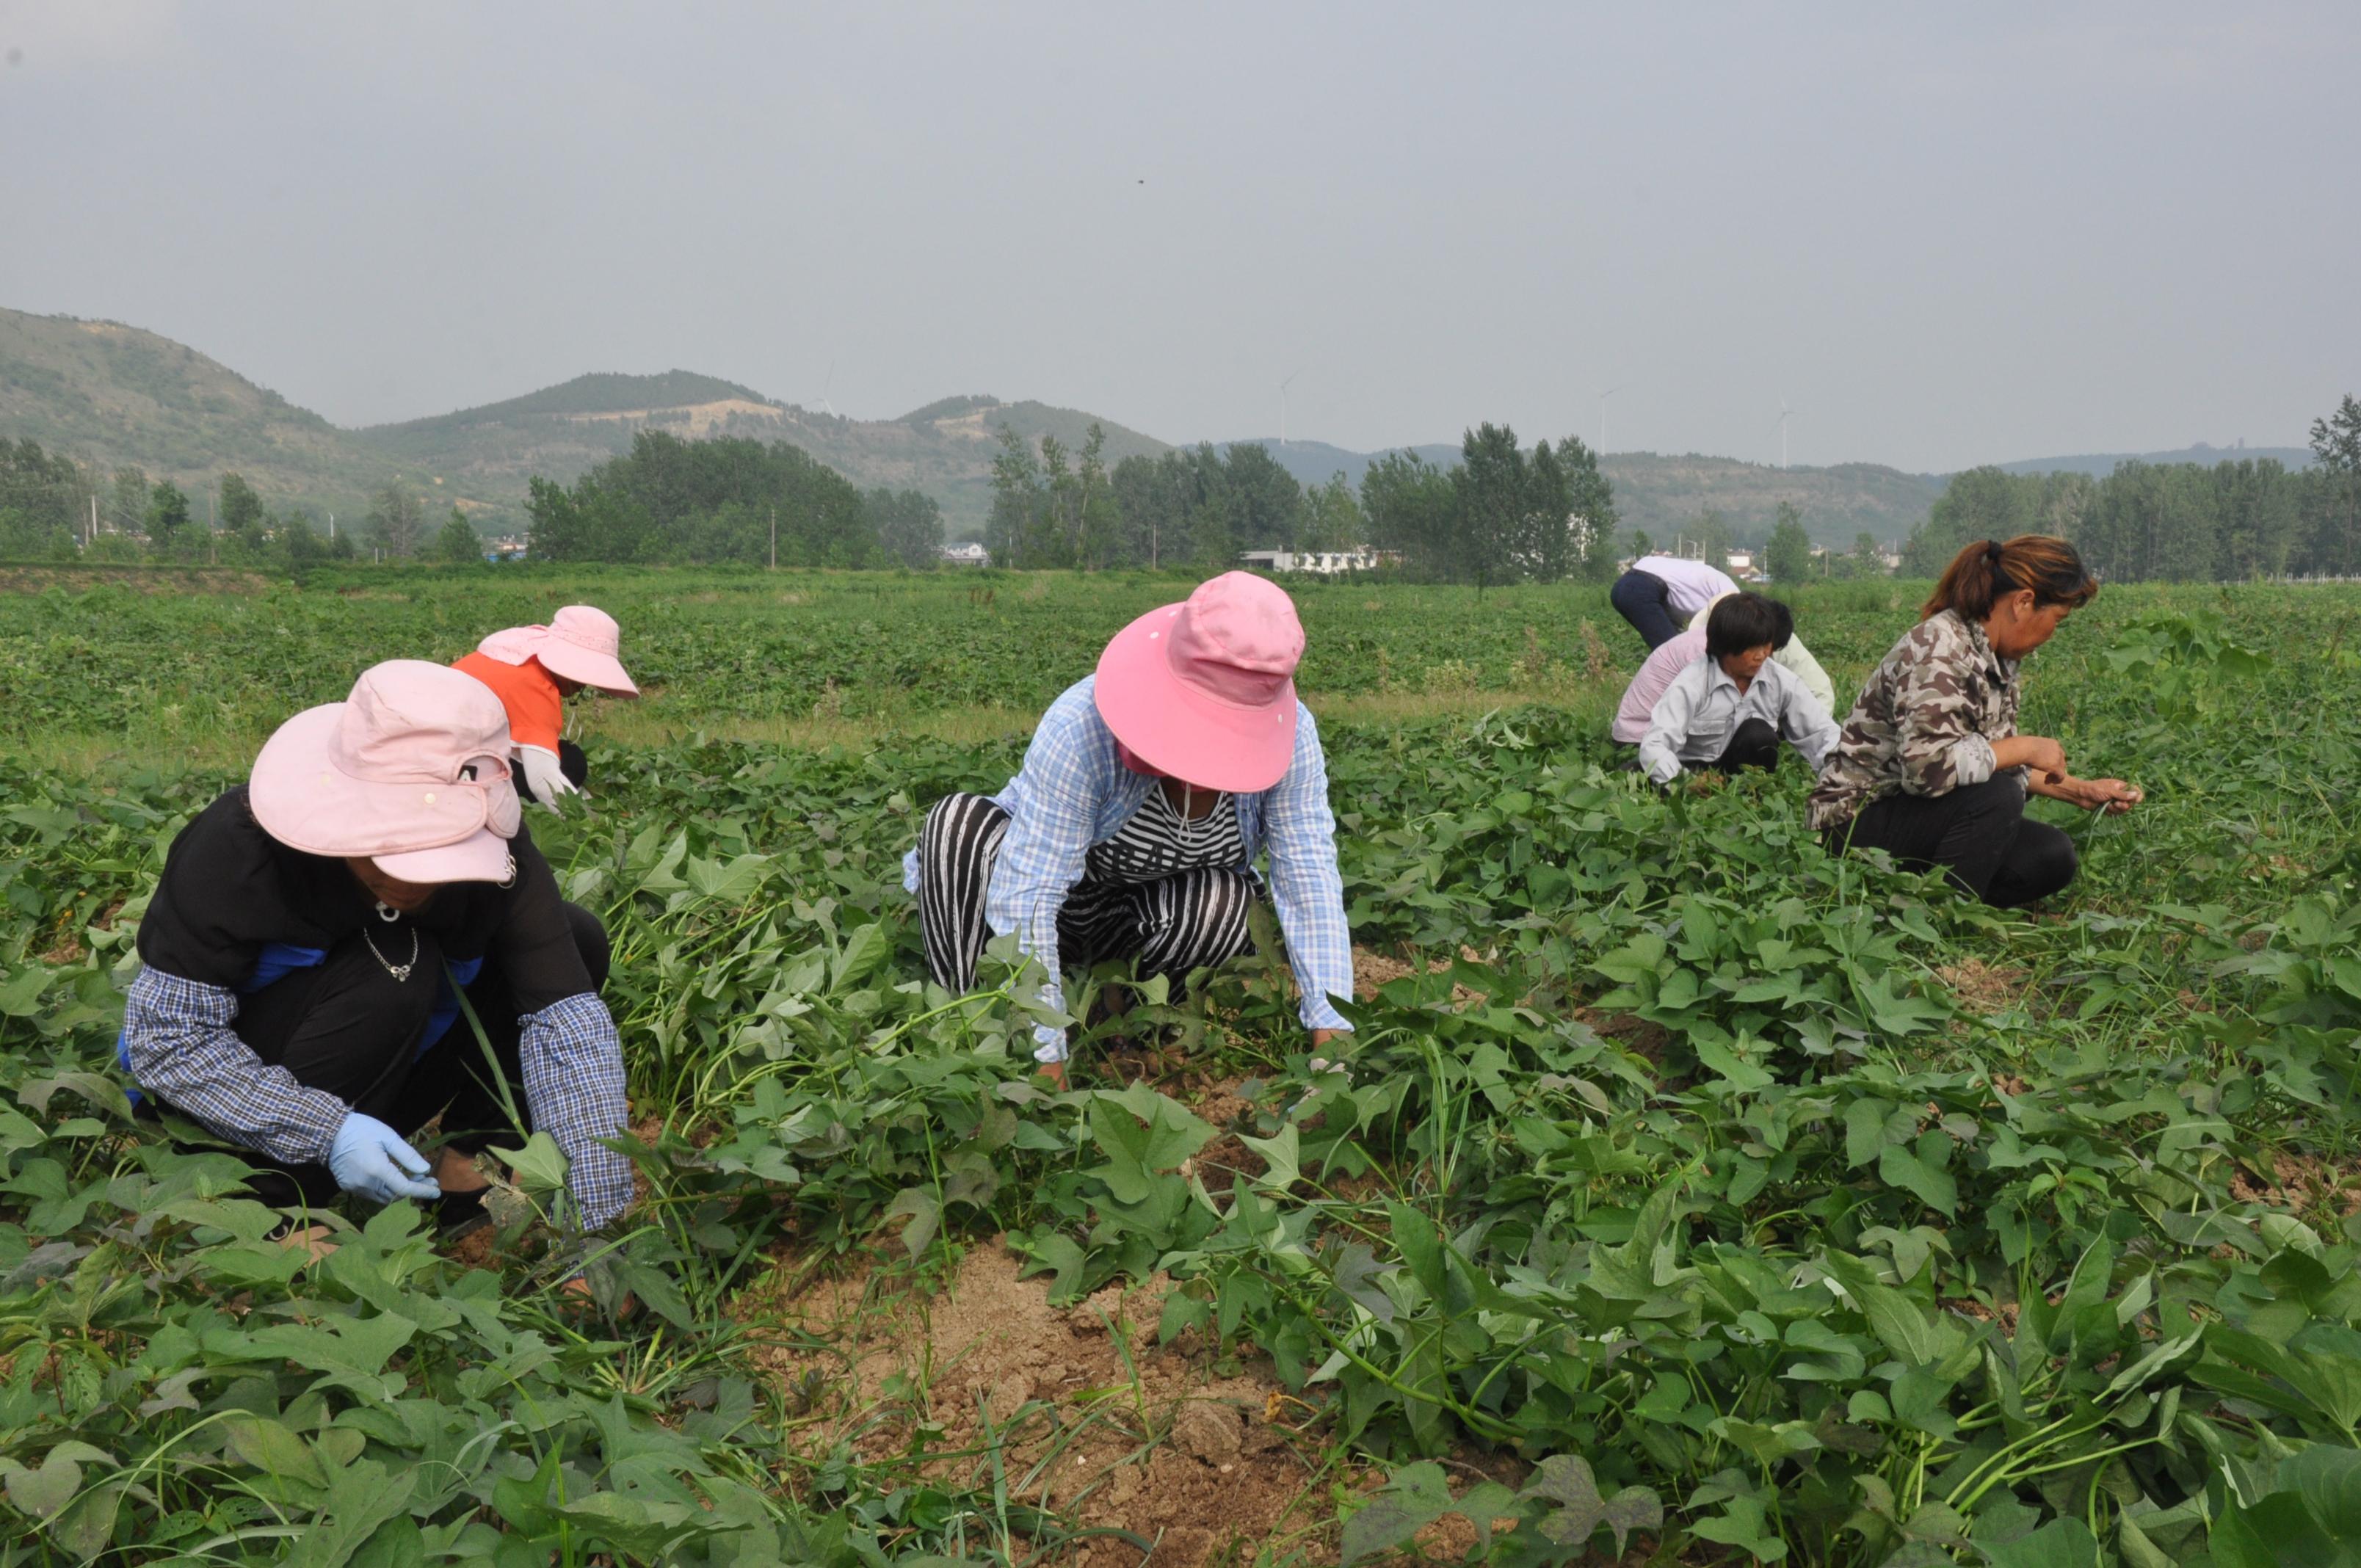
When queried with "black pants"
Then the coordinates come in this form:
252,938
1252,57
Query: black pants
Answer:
348,1027
1977,832
1645,600
1188,921
571,762
1753,744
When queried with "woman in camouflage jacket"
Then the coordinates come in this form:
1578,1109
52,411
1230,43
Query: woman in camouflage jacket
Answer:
1929,766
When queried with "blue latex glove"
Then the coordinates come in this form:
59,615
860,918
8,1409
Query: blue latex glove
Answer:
370,1158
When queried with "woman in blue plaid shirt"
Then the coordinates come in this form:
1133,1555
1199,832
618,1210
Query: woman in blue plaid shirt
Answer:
1132,829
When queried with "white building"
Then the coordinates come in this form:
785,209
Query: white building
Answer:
1319,563
967,555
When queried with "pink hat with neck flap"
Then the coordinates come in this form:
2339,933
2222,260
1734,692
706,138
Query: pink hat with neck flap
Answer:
581,642
411,771
1205,690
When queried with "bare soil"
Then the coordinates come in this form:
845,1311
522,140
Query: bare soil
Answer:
1985,988
1089,1416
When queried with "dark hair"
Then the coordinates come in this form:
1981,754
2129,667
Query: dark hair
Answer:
1985,570
1746,621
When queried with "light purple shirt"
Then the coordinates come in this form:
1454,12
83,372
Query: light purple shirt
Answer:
1640,697
1694,585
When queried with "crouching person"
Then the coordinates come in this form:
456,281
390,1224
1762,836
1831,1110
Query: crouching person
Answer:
532,670
303,947
1732,706
1132,829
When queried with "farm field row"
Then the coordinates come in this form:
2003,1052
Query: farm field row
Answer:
1684,1195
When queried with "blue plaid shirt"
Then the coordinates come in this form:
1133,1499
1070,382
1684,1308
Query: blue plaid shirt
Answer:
178,1042
1073,790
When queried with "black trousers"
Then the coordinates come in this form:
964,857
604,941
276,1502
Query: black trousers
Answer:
1977,832
1753,744
348,1027
1191,920
571,762
1645,600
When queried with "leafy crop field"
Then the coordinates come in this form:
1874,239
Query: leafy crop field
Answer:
1685,1196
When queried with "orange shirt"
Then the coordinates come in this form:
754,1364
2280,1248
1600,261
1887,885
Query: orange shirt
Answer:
536,711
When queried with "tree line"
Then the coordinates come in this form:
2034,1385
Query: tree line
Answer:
2239,520
1504,514
54,509
728,500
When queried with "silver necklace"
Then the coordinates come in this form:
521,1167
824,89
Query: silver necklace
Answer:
401,973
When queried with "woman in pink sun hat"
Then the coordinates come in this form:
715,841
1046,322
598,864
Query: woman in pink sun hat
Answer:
301,948
1132,829
532,670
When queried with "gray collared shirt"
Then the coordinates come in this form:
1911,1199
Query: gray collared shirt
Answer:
1692,721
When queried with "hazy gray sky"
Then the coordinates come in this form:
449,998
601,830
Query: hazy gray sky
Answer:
1947,234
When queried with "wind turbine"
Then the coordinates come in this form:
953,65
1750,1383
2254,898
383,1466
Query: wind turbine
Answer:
1603,417
1282,404
1782,428
824,386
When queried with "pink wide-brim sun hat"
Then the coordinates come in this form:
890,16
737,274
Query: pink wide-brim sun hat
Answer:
410,770
581,642
1205,690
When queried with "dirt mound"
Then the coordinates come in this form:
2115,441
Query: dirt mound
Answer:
1086,1416
1985,988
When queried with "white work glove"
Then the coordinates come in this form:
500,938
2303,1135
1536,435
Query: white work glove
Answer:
547,780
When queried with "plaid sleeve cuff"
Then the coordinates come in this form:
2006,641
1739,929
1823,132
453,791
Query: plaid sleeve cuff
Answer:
573,1063
178,1041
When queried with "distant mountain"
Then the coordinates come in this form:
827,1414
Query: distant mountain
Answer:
944,449
110,395
2099,464
116,395
1661,493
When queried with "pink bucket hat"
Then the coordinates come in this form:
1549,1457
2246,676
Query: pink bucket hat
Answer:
1205,690
581,642
411,769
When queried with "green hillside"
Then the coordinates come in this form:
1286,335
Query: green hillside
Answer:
944,449
1662,493
112,395
109,395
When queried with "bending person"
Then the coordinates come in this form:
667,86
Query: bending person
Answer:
1132,829
1661,594
532,670
1929,766
1787,650
1732,707
303,944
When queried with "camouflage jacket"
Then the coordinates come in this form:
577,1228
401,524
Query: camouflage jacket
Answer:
1924,723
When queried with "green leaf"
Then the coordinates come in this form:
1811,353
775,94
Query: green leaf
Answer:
1734,1069
926,1217
41,1493
2328,1478
1565,1480
272,1448
1900,1167
1281,1154
361,1498
20,993
1744,1526
539,1165
1413,1498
